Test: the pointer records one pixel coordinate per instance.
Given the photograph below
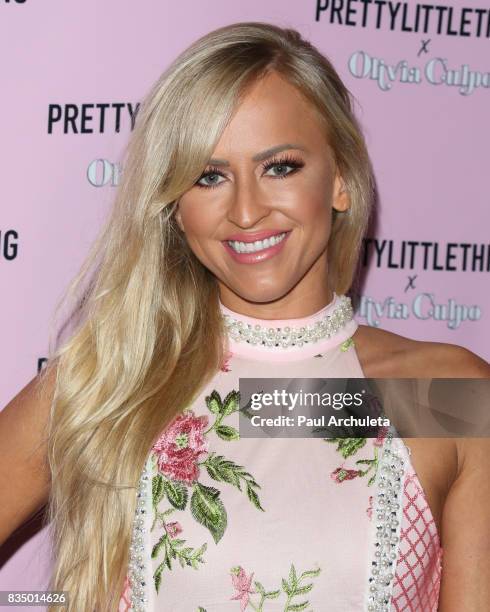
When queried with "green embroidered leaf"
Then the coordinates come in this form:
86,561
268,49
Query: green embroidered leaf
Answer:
177,543
201,609
293,589
158,546
199,551
272,594
167,512
208,510
351,446
312,573
213,402
248,475
347,446
231,402
371,480
285,587
176,493
158,575
297,607
254,498
225,432
259,587
197,556
157,489
347,344
223,470
366,461
304,589
167,559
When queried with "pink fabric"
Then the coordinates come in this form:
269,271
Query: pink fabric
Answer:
292,518
124,604
418,572
292,353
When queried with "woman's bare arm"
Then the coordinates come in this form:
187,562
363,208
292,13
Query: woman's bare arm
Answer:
465,537
466,532
24,472
465,523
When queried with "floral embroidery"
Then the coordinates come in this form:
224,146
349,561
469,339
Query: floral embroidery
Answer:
381,436
350,446
179,447
347,344
341,474
369,509
173,529
291,587
241,583
178,456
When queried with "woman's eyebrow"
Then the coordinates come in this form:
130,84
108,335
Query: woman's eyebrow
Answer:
262,155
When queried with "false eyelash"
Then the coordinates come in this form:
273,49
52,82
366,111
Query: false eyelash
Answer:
285,160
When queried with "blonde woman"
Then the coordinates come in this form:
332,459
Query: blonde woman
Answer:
246,193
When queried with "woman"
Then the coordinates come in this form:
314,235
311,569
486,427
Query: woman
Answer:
246,193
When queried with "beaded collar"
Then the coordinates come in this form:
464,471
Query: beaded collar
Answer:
324,324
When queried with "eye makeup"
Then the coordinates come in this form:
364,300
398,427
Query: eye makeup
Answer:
286,160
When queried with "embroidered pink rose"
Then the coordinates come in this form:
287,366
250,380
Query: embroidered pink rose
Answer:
381,436
341,474
241,582
226,363
180,447
173,529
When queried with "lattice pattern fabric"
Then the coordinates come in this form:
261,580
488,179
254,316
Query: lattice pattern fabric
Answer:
125,602
418,571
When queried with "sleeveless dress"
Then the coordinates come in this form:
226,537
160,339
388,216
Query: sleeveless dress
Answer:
225,523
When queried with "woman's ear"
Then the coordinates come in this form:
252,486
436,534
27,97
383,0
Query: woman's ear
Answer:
340,199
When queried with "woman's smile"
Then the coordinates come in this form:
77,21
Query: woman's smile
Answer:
258,250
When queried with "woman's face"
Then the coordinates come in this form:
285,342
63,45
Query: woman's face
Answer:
249,189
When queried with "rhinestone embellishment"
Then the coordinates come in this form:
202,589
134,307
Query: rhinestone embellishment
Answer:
285,337
387,511
137,562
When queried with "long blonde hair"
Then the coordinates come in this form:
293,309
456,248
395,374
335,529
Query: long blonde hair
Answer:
147,332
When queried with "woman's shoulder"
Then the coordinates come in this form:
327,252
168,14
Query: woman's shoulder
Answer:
384,354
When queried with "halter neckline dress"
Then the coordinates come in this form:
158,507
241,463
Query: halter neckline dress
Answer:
225,523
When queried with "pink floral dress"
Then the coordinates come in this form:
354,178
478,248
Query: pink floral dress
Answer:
225,523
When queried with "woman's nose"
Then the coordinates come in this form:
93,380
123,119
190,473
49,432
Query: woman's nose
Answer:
248,204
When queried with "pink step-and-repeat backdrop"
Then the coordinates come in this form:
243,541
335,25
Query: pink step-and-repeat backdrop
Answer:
73,74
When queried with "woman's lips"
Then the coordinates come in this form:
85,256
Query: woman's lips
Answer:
258,235
257,256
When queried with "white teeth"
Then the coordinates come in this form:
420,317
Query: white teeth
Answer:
258,245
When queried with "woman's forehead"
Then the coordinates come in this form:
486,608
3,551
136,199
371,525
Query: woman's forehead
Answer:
271,113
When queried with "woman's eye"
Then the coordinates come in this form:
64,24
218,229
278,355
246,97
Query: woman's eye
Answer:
281,168
212,179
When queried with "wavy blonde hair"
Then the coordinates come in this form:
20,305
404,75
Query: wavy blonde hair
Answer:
147,332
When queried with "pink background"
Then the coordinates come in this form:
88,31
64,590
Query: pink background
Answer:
429,146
